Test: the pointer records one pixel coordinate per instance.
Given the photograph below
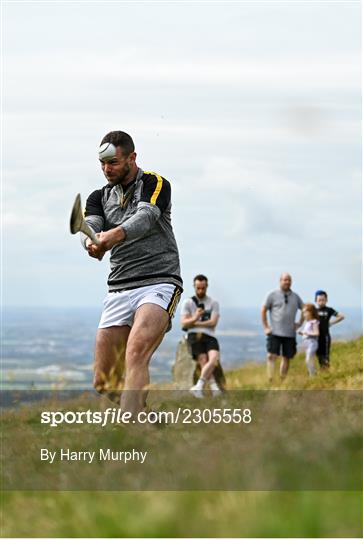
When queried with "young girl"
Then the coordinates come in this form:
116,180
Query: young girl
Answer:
310,333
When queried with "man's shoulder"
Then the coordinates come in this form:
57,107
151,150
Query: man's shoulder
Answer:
187,301
274,293
187,306
297,296
98,193
212,303
156,190
152,176
94,203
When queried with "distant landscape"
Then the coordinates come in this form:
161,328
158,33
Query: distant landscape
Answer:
46,346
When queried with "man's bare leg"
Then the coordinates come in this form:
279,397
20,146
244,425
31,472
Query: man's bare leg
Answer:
110,359
209,366
197,388
208,362
284,367
207,373
202,359
271,359
150,324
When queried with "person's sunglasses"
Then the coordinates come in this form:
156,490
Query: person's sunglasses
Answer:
286,298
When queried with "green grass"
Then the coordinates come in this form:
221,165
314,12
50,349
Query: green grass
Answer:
205,513
188,514
345,373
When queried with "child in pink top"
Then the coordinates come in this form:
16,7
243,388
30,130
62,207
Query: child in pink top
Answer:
310,333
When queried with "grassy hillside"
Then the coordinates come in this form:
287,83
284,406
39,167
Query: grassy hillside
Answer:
345,373
207,513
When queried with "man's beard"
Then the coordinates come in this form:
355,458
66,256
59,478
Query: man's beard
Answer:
120,179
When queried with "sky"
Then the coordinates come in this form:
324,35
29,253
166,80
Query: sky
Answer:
251,110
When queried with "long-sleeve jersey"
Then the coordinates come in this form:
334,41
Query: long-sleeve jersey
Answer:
149,253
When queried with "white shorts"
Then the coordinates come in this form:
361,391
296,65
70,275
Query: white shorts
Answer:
119,308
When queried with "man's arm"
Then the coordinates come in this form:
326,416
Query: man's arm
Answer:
266,326
94,214
301,320
133,228
211,323
214,317
155,199
95,218
189,321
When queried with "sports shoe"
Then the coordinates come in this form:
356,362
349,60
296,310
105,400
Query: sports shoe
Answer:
216,392
196,391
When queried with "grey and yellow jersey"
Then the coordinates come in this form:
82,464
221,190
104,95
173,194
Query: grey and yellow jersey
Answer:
149,253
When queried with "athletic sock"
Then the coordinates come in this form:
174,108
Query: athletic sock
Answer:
200,384
212,383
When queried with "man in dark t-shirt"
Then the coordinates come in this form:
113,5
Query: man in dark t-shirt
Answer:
325,315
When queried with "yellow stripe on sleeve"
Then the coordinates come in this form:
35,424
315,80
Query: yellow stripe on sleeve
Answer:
159,185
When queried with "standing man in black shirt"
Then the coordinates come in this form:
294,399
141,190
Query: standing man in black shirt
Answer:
325,314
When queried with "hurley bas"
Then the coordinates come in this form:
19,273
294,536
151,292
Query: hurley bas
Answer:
65,454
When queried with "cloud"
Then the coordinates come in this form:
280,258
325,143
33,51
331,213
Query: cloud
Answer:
62,79
255,119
